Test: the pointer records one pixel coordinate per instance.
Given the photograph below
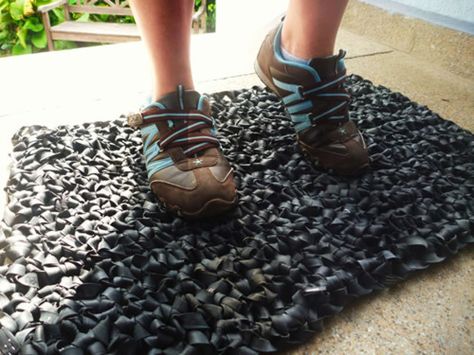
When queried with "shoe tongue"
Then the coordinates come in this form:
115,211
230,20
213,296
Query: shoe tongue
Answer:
180,99
328,66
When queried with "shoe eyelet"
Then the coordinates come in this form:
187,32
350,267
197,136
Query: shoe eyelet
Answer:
135,120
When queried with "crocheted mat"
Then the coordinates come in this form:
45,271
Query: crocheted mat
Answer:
92,264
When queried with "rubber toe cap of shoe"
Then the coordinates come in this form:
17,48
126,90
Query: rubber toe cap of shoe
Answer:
208,197
344,158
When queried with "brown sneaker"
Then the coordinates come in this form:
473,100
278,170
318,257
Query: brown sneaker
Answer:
317,103
186,168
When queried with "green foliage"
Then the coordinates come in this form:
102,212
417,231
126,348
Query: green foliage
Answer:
22,31
21,28
211,14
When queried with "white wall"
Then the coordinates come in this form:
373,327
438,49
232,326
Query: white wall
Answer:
248,20
458,9
455,14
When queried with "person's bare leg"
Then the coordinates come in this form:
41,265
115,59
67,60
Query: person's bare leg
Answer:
165,27
311,26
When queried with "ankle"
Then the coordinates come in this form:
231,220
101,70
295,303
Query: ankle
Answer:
296,43
290,57
167,81
161,90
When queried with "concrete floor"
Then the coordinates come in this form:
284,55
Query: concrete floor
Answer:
431,313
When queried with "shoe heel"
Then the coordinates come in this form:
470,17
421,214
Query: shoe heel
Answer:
265,79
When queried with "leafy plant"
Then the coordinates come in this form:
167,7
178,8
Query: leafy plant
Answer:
22,31
21,28
211,14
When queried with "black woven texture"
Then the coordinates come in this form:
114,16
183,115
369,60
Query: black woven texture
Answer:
99,266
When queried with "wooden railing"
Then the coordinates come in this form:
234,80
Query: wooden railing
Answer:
100,31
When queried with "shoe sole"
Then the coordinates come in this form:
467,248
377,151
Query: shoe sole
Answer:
211,208
349,173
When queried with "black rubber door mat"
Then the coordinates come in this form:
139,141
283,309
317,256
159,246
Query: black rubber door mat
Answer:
93,265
